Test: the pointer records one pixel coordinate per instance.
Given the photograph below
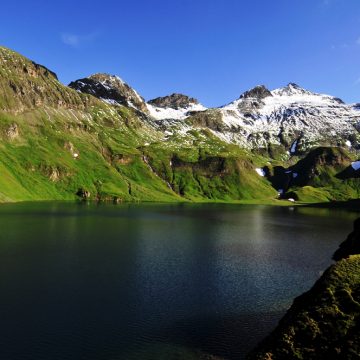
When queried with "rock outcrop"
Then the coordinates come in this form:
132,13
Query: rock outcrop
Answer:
258,92
174,101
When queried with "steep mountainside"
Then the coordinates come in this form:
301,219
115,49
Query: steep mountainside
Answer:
26,85
318,175
323,323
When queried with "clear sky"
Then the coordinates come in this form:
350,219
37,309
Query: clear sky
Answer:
210,49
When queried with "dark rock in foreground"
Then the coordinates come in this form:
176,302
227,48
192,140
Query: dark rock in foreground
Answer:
351,245
323,323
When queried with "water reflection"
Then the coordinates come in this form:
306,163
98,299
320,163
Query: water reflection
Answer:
82,281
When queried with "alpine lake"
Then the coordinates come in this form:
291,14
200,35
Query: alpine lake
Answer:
154,281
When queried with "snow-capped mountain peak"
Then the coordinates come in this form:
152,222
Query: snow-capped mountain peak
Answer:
287,116
174,106
111,89
292,89
258,92
291,118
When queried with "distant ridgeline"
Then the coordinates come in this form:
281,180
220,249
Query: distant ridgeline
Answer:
323,323
98,139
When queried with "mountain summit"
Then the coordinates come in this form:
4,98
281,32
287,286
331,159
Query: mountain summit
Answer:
111,89
258,92
174,101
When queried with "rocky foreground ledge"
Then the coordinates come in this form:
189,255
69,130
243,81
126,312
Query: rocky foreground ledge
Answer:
323,323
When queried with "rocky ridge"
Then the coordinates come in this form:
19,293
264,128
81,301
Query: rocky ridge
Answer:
291,119
111,89
174,101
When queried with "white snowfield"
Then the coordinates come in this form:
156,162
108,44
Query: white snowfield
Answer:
260,171
159,113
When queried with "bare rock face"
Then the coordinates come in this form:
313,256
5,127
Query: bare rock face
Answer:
174,101
12,131
258,92
111,89
54,175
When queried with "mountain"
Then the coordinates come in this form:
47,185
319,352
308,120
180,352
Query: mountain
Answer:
324,322
291,118
173,107
111,89
99,139
285,121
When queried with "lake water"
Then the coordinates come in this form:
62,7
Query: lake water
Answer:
138,282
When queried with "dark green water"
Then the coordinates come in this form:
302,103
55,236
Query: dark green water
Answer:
139,282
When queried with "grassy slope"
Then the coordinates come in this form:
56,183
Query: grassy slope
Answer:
112,162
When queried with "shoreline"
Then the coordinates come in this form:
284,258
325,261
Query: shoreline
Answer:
323,322
353,204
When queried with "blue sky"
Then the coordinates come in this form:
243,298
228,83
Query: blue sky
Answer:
212,50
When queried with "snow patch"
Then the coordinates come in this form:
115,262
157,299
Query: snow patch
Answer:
293,147
110,101
356,165
260,171
174,114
